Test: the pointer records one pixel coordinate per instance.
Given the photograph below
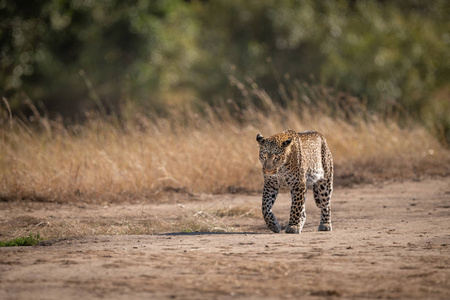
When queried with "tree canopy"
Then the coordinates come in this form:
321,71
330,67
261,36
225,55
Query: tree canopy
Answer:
73,55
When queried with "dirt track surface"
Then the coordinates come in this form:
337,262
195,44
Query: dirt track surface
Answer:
388,241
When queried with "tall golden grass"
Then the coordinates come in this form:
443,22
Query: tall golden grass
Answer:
139,155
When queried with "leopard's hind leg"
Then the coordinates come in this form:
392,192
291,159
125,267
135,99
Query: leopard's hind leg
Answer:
322,195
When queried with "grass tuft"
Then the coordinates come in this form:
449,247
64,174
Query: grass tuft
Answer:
237,211
22,241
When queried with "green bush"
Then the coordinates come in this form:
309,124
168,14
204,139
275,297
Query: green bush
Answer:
73,55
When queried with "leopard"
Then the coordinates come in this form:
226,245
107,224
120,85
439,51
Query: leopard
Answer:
297,160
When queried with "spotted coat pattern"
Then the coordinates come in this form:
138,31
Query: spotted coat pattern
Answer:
296,160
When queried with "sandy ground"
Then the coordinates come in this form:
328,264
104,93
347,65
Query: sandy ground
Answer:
388,241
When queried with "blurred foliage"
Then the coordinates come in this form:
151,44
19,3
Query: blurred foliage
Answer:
75,55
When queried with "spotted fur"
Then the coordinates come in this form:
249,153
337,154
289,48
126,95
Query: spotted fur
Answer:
296,160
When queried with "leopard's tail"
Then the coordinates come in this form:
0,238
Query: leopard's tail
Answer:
327,160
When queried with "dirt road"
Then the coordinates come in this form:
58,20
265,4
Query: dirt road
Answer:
388,241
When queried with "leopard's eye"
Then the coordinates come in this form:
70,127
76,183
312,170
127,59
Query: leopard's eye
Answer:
263,156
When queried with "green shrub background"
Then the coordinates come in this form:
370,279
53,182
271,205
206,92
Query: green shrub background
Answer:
70,56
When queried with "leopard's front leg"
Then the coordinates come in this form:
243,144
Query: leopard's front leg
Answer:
271,188
298,214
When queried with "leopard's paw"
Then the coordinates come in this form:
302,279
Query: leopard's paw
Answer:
292,229
275,227
325,227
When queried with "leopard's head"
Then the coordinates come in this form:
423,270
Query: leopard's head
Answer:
274,152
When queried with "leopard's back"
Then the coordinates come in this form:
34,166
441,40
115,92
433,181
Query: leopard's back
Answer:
315,155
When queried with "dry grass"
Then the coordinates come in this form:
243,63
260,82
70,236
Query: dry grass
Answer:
237,211
111,159
51,220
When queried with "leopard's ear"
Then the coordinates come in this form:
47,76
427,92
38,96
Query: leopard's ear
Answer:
259,138
287,142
